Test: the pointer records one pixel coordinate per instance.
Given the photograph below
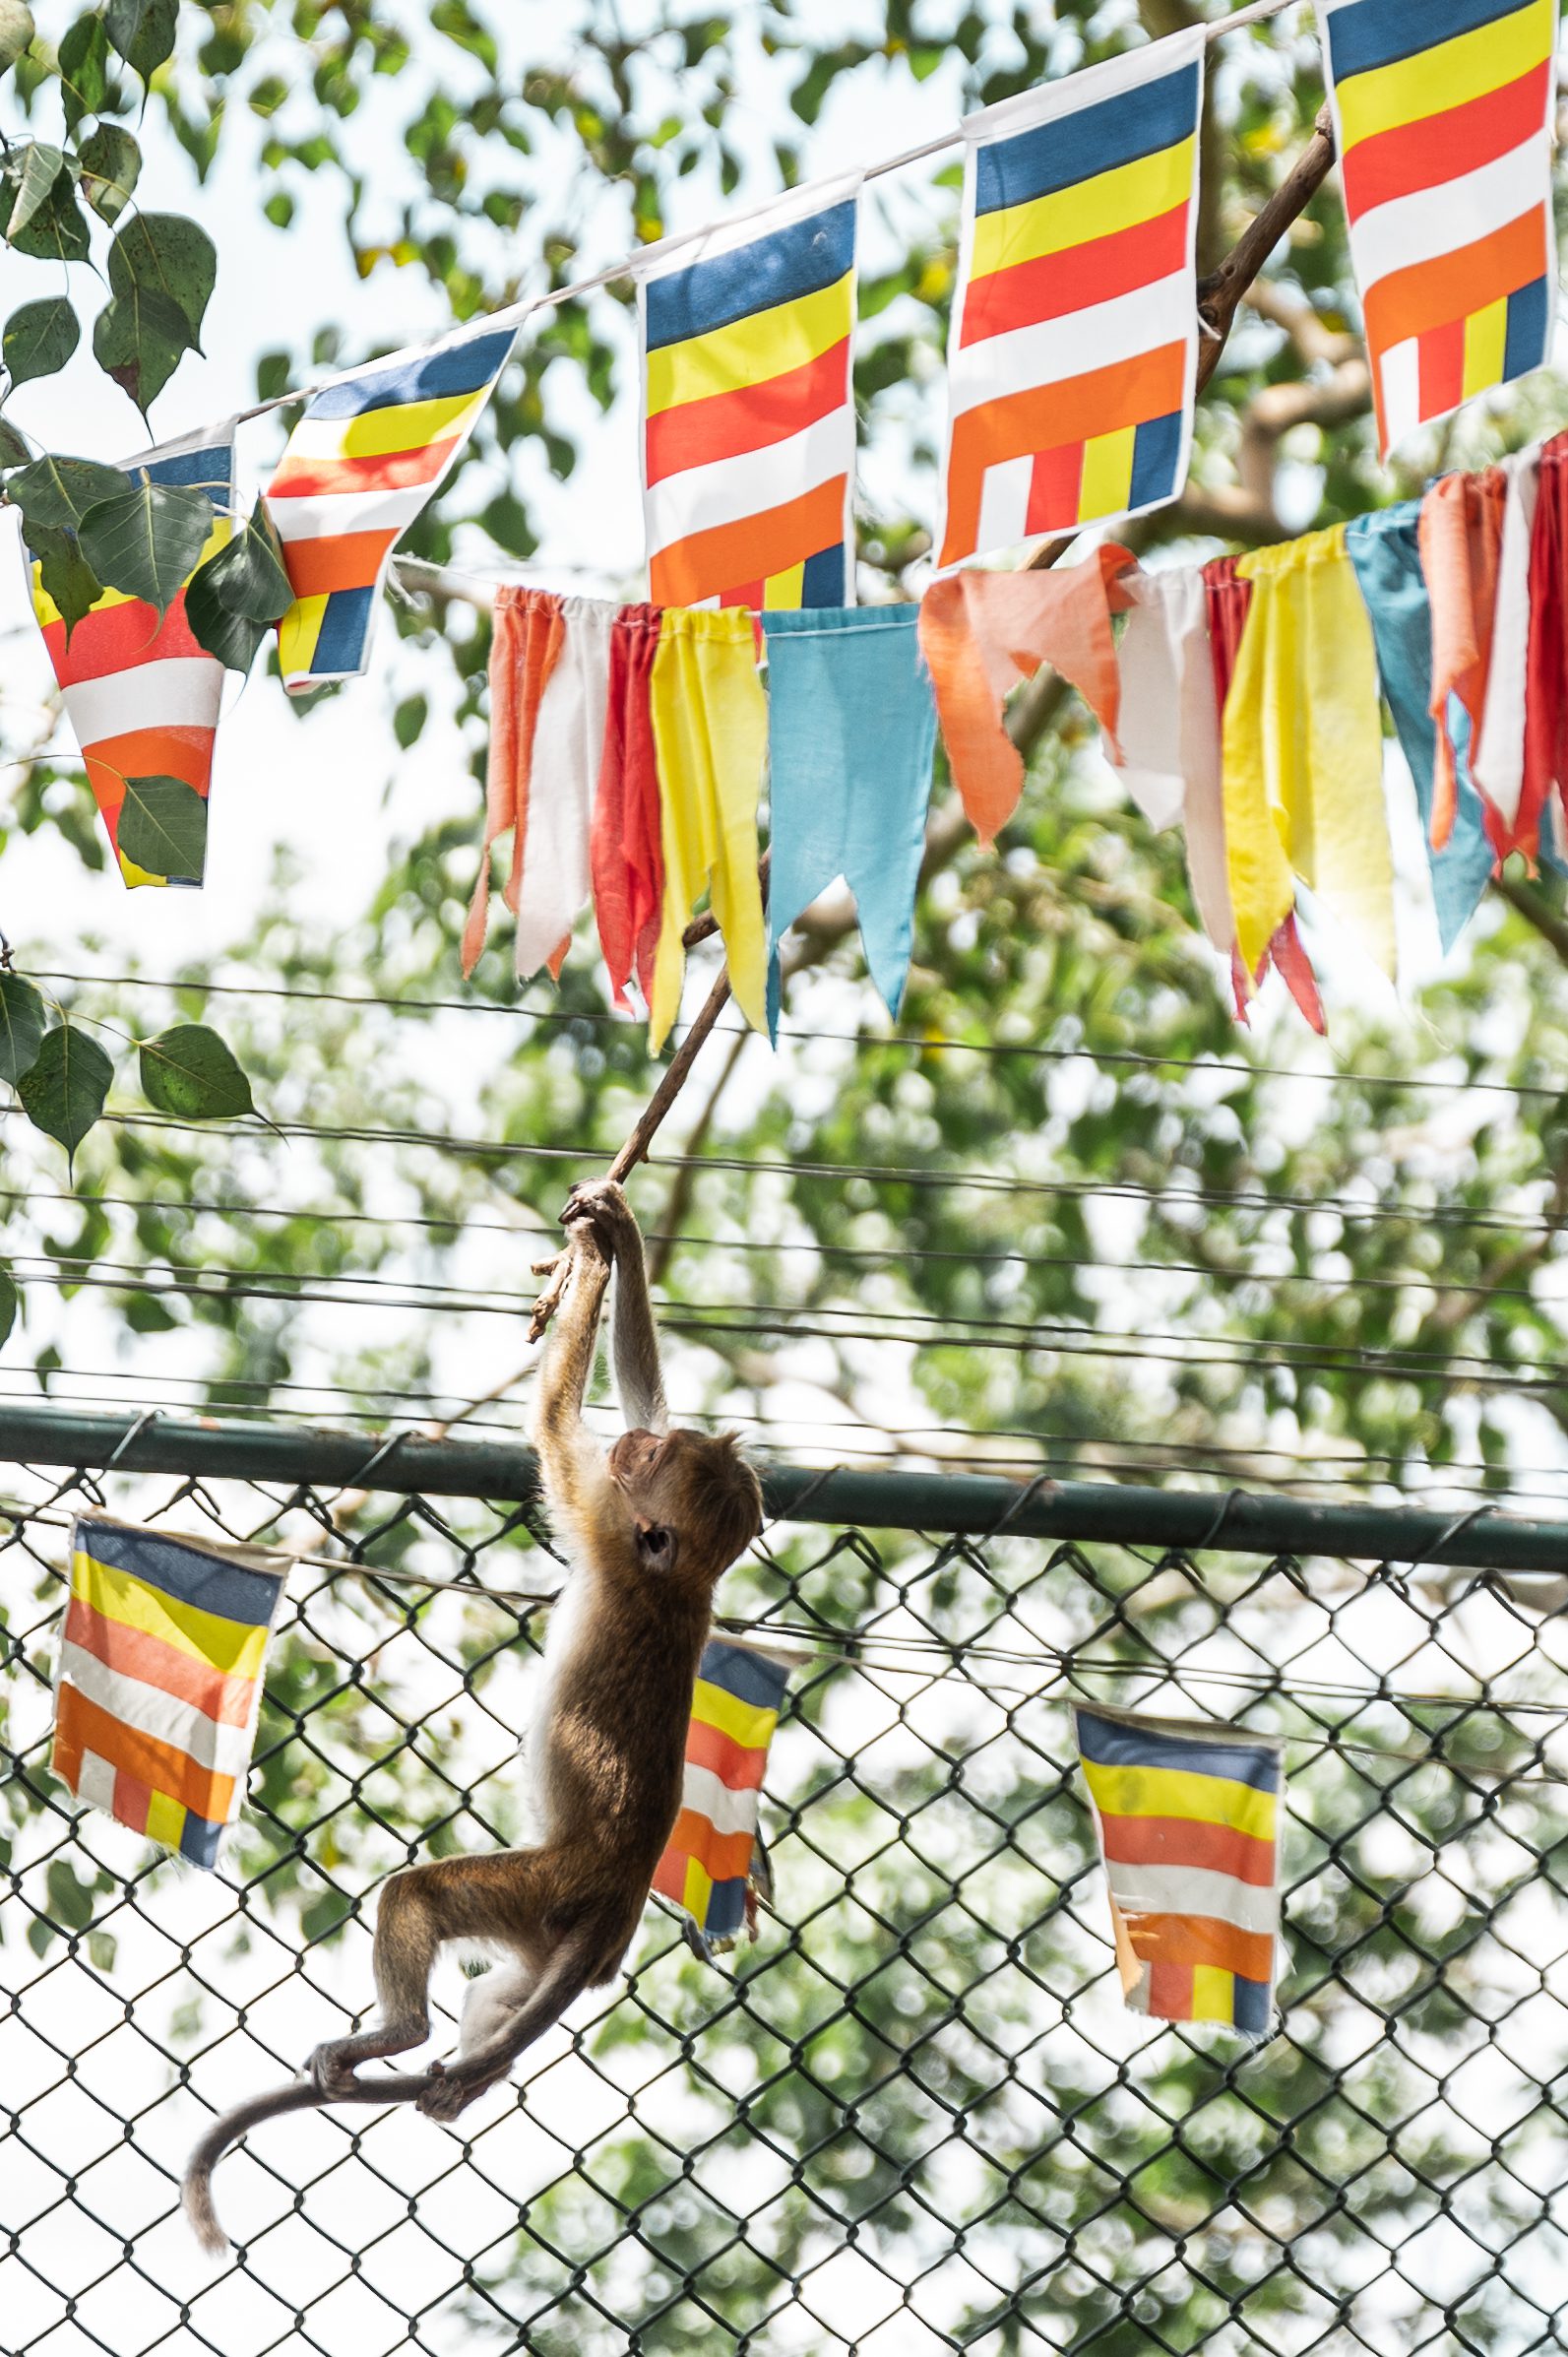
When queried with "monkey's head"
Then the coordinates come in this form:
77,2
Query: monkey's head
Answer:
695,1502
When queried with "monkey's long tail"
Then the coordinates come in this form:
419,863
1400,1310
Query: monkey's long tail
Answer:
302,2095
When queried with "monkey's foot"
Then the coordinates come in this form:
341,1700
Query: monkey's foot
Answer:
452,2089
332,2067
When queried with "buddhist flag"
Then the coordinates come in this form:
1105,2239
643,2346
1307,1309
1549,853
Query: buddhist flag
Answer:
715,1866
1188,1823
141,697
748,424
160,1680
1072,363
1442,117
367,453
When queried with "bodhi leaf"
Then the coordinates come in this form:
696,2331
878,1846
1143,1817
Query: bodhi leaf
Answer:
84,69
190,1071
58,491
22,1026
16,31
64,1091
112,166
39,169
143,31
14,451
64,573
162,827
40,339
172,257
8,1304
140,338
146,540
239,594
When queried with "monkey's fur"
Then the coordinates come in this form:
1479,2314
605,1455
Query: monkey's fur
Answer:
648,1530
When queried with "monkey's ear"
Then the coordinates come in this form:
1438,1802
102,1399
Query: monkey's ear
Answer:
656,1547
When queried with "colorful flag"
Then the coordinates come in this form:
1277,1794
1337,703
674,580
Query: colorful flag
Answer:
160,1680
1188,1823
748,424
367,453
1442,117
715,1866
141,695
1072,364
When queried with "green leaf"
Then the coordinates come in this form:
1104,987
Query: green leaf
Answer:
63,1093
40,167
112,166
14,451
22,1026
237,596
58,491
84,69
146,540
143,31
64,572
409,719
16,31
8,1303
52,229
140,338
171,256
164,827
40,339
190,1071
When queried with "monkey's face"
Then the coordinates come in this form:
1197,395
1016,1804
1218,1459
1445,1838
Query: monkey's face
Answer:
695,1504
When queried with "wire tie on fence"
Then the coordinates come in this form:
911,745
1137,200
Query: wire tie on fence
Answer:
1210,1536
1445,1538
148,1416
361,1480
1025,1498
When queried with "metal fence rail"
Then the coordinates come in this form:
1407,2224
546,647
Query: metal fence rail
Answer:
913,2118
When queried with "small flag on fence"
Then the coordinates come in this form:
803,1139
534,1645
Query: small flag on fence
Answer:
715,1866
160,1680
1072,363
748,425
367,453
1188,1823
141,697
1442,117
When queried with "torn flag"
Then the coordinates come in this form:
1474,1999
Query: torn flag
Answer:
1188,1821
748,424
1442,120
715,1866
141,695
368,453
160,1680
1072,363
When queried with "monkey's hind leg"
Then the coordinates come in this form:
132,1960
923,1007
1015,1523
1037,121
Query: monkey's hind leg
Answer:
408,1933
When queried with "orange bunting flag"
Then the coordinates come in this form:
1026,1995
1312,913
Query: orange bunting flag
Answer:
1072,363
981,633
141,695
716,1867
159,1679
1461,539
1443,124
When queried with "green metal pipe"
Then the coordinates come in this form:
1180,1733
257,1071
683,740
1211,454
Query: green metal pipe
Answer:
942,1503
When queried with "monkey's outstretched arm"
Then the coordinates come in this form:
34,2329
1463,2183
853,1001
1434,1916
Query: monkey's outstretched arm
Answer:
571,1461
301,2094
634,1337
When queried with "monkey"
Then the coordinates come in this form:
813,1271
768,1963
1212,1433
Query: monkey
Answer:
648,1529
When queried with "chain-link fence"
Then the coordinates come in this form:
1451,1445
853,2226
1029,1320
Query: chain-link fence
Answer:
914,2117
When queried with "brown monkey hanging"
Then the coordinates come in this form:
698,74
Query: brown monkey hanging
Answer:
648,1528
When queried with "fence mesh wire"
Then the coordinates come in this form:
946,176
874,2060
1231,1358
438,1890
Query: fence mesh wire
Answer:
914,2116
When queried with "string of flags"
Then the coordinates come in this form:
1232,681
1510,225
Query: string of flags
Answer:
629,744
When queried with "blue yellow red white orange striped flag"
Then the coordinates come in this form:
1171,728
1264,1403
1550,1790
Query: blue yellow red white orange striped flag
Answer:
715,1866
370,451
1188,1818
1442,117
159,1679
1071,360
748,423
141,697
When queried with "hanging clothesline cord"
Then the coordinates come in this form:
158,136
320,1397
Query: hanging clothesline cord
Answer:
514,314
